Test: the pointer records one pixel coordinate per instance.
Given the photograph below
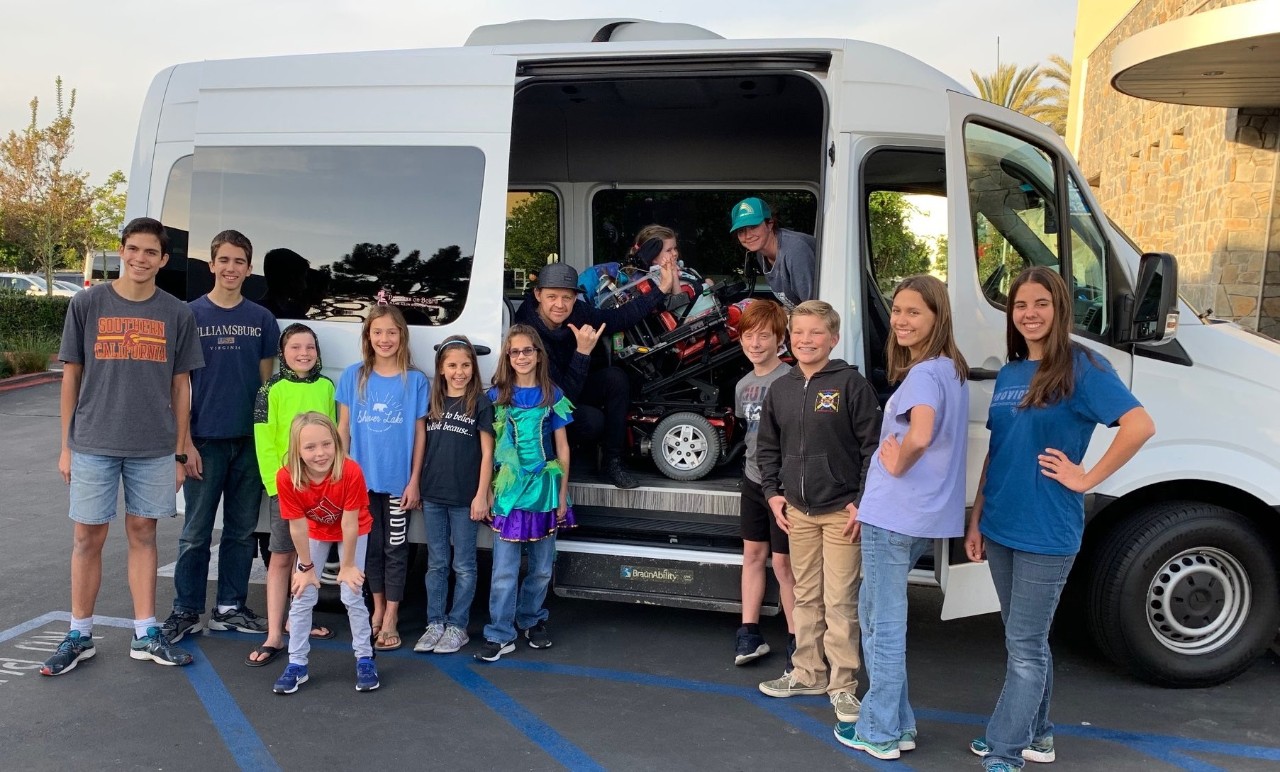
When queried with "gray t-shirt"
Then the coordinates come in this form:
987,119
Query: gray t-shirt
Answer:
792,277
748,395
131,351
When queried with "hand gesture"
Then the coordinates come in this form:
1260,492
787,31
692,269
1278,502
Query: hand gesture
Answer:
974,545
1054,464
64,465
195,464
779,506
351,576
302,580
890,454
587,337
669,277
852,529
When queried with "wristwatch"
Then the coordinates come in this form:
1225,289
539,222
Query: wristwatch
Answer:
181,458
304,567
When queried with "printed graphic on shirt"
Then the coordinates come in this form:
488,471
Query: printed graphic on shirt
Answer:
130,337
226,336
753,404
827,401
1009,398
457,418
381,408
325,512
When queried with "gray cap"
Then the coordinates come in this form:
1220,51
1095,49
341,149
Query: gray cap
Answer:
558,276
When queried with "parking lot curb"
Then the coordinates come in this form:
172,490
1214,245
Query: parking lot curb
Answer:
30,379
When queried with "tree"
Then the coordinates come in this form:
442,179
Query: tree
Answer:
45,207
1036,91
533,232
896,251
1057,76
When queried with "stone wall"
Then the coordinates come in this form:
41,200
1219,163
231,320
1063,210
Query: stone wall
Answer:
1198,182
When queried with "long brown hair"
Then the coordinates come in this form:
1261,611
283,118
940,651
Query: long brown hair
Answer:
504,380
293,456
404,358
1055,377
440,386
942,339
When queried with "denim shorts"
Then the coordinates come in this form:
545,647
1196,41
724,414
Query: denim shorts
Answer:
150,487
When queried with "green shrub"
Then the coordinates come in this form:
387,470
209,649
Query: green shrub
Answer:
6,369
30,362
39,315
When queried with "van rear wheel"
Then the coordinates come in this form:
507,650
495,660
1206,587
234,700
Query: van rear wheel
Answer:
1184,594
685,446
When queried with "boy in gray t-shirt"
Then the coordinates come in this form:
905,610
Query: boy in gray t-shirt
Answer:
760,330
128,350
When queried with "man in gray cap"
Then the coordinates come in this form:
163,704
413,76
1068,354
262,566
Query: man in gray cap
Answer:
570,328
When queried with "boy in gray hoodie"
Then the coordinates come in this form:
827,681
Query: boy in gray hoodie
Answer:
818,431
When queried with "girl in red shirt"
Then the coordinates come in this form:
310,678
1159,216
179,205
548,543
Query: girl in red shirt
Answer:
324,499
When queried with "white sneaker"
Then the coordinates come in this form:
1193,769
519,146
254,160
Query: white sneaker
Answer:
454,638
430,639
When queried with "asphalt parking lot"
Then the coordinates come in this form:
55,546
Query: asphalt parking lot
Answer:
624,687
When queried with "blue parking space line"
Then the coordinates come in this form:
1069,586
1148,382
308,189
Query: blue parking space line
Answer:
241,739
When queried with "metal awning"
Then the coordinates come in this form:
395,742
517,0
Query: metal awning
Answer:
1228,57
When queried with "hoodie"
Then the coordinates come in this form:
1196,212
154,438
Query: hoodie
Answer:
279,401
817,436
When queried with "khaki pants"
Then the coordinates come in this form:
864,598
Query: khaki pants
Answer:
828,570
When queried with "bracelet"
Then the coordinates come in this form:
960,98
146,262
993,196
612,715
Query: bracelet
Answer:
304,567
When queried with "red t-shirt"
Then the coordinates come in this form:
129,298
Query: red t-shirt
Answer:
322,504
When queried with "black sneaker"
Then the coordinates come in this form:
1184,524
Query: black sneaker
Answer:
617,474
750,646
492,652
179,624
241,619
73,648
158,649
538,636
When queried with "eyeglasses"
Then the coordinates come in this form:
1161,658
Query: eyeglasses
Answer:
516,353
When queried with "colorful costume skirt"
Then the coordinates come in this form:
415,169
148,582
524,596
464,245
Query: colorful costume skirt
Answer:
525,525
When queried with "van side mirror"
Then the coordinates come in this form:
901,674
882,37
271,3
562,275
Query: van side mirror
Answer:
1155,304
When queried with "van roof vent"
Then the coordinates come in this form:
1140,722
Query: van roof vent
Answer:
584,31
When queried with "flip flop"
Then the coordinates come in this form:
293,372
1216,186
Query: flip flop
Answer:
385,635
271,651
322,633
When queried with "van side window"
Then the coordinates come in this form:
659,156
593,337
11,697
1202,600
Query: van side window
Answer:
1017,222
337,230
175,215
533,238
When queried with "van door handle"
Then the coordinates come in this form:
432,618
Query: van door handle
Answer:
982,374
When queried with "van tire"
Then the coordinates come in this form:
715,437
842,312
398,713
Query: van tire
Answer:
1184,594
686,446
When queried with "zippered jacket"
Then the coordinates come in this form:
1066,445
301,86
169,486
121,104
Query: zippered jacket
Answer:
817,436
285,396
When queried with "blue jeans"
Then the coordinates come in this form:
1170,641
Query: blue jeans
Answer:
506,612
445,524
887,557
230,472
1028,586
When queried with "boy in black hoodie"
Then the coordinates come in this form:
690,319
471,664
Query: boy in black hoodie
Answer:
819,427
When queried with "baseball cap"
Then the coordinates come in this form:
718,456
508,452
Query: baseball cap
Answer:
558,276
748,211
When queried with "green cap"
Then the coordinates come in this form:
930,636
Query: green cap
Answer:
748,211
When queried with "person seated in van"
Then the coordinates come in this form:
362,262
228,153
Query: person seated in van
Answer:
605,285
787,259
570,328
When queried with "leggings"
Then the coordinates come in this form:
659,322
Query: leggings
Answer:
388,562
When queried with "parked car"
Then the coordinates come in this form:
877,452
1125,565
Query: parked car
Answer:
33,284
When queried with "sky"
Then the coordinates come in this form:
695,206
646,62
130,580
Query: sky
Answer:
110,51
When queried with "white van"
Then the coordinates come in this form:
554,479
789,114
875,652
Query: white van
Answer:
394,170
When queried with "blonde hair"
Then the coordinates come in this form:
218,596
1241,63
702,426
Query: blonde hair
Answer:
941,341
293,456
404,359
821,309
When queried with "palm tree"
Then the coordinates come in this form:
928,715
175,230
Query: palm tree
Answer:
1057,77
1036,91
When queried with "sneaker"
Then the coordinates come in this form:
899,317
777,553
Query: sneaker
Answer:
329,574
430,639
1039,751
241,619
454,639
847,706
538,636
847,735
492,652
1000,766
179,624
750,646
158,649
74,647
791,650
788,686
907,742
289,681
617,474
366,675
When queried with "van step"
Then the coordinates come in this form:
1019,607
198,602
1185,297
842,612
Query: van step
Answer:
719,495
655,581
640,526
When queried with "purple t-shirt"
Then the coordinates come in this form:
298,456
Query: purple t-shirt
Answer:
928,500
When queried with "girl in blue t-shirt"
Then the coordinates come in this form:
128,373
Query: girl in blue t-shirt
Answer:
914,494
531,491
382,407
1028,517
457,488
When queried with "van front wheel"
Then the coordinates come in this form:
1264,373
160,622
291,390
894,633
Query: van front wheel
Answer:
1184,594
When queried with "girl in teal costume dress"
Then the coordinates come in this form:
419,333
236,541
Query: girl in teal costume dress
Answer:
531,491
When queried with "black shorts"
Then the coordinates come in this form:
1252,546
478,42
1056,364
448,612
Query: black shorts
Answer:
758,522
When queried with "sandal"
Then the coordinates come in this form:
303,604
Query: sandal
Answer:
381,644
318,632
271,651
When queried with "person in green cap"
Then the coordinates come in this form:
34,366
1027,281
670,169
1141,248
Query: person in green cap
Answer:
787,259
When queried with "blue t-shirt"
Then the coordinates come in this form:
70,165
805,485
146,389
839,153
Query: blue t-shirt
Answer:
531,396
928,500
382,424
1022,508
234,342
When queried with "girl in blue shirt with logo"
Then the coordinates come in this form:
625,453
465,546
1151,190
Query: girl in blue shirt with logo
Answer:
382,408
1028,517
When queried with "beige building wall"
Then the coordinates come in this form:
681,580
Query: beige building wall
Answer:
1201,183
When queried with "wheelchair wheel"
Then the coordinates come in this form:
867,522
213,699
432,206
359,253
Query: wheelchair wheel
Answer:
685,446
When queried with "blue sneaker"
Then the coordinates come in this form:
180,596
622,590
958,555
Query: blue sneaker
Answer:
847,735
157,648
289,681
1039,751
366,675
73,648
907,741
